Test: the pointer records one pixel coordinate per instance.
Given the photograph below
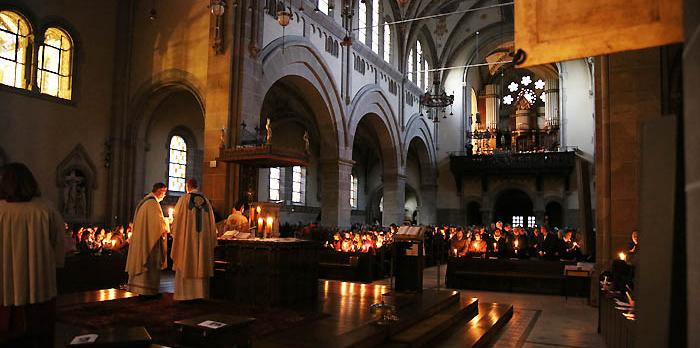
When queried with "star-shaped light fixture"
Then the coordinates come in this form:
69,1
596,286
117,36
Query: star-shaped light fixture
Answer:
508,99
539,84
526,80
513,87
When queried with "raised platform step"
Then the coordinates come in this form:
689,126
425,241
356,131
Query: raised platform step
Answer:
479,331
425,331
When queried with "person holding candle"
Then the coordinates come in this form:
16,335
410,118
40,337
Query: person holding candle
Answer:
147,246
194,239
477,246
458,244
31,231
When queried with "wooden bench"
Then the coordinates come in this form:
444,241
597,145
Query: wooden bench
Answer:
519,275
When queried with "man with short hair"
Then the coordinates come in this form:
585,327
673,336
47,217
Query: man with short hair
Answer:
194,239
148,248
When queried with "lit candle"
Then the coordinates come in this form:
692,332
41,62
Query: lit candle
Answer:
455,251
516,244
494,246
622,256
170,214
260,223
268,229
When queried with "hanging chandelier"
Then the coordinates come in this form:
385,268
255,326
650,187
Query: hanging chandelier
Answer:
435,100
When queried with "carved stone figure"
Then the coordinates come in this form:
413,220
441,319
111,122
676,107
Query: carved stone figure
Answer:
306,141
74,195
268,128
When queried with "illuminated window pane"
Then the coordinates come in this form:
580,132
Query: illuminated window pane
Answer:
362,22
411,73
298,183
14,40
419,60
387,42
274,184
530,221
353,191
323,6
177,164
55,58
375,26
517,221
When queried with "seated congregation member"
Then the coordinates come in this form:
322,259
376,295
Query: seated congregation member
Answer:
633,247
534,242
570,249
31,232
459,246
520,245
550,245
477,247
500,242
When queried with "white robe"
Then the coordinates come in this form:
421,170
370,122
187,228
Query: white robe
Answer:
193,251
31,246
147,248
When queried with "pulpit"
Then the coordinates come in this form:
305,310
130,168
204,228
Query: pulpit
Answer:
409,256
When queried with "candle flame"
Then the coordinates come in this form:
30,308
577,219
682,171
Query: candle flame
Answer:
270,220
622,256
257,209
516,243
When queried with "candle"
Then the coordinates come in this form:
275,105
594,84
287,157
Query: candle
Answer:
170,215
622,256
268,229
494,246
516,244
455,251
260,223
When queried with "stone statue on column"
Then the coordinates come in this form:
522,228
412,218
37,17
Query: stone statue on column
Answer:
268,128
306,142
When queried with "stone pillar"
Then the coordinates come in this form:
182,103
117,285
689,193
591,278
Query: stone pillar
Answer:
394,199
428,206
539,217
335,192
491,107
551,104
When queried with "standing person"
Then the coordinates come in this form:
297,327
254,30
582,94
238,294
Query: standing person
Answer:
31,232
194,239
148,249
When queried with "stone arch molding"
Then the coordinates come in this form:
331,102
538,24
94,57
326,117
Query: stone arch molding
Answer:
76,179
371,100
417,127
297,57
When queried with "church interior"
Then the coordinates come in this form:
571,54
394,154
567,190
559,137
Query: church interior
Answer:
349,173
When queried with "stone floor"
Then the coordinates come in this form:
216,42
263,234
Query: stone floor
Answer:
539,321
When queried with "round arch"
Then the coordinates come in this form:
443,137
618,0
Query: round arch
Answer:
512,202
302,65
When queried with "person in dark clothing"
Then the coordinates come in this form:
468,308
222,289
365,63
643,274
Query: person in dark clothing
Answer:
550,246
569,249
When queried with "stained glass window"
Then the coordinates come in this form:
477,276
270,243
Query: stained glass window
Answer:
55,59
14,40
177,164
275,184
419,60
353,191
409,68
298,184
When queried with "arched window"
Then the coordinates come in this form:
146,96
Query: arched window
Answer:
362,22
353,191
275,176
375,26
323,6
387,43
298,185
419,60
409,68
177,164
55,60
426,74
14,41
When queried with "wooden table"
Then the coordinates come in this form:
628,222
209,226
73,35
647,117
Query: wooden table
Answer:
266,272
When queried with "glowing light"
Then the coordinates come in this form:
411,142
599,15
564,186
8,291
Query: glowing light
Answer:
508,100
526,80
543,97
622,256
539,84
513,87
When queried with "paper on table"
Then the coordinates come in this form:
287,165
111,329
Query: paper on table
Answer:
212,324
83,339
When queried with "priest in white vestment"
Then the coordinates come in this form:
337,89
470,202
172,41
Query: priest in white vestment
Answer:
148,247
31,247
194,239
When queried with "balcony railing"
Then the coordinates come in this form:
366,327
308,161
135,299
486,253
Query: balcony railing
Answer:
507,163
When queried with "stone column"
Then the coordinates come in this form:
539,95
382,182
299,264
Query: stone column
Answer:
551,104
335,192
394,198
428,204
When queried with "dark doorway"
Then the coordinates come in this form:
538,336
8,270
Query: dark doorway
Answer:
474,214
512,203
553,214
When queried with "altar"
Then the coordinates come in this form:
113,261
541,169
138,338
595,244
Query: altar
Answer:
266,272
